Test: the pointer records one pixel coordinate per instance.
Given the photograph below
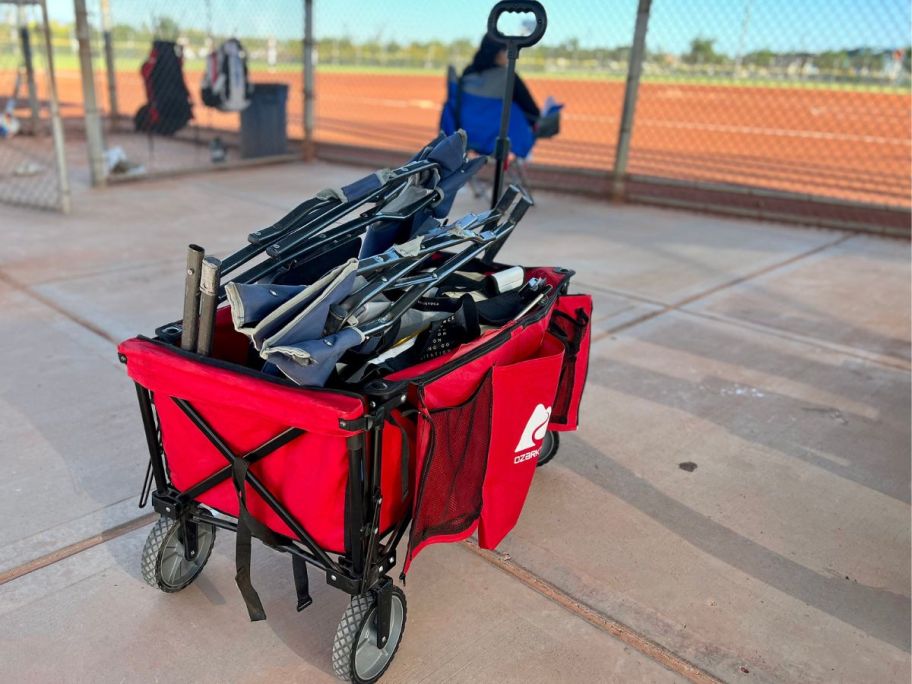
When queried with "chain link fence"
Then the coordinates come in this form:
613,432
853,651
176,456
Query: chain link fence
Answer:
149,60
747,99
381,77
808,102
32,160
808,98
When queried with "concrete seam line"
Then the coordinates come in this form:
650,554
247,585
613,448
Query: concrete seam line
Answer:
618,630
86,275
718,288
77,547
54,306
624,294
882,360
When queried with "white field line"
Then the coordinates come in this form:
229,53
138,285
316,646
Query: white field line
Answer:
776,132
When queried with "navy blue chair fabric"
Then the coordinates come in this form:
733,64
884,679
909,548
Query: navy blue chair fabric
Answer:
480,118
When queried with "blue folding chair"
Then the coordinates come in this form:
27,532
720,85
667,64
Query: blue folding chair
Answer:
479,116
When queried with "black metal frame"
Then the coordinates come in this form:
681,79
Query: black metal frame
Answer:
364,568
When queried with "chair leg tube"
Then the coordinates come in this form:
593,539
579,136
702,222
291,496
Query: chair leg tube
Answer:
190,327
209,287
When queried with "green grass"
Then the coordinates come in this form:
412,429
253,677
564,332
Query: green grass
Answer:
728,81
680,79
70,62
378,70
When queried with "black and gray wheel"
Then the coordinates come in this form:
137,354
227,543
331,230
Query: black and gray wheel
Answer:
163,564
356,657
549,447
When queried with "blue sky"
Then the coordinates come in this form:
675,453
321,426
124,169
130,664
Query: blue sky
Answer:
811,25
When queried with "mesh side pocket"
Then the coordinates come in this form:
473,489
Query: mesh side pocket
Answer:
573,331
449,495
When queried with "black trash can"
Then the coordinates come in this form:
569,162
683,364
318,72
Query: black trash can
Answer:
263,123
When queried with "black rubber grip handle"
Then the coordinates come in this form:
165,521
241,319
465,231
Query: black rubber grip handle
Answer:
518,6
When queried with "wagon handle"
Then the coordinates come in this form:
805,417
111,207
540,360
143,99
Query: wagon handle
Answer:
513,44
518,6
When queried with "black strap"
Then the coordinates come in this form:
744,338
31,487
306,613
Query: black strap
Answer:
242,578
503,308
578,327
302,584
247,528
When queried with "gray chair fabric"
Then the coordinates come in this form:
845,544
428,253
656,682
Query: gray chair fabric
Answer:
250,303
304,317
302,311
311,362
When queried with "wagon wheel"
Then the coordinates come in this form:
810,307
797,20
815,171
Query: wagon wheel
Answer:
163,564
356,657
549,447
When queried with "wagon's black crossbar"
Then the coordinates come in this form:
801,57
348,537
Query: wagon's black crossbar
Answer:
261,451
251,457
362,567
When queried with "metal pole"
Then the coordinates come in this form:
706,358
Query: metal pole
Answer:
94,138
149,427
502,144
26,44
209,287
109,62
309,146
63,178
190,325
634,70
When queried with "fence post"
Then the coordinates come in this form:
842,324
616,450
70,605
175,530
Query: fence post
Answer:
94,139
113,112
63,178
634,70
308,93
26,44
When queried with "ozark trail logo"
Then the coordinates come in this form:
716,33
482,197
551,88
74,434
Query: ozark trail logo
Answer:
535,430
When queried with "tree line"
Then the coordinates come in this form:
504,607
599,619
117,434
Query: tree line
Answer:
570,55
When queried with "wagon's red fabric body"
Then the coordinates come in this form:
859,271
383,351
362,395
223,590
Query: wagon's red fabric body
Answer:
483,419
309,475
471,446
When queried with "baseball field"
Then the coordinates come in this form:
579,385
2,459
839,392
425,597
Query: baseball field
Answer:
851,144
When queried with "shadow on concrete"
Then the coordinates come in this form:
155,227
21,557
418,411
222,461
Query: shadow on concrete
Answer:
882,614
691,337
864,449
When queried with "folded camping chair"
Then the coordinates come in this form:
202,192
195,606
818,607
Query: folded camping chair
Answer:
397,205
471,107
417,203
288,325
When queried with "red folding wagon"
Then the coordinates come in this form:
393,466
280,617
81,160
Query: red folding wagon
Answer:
335,478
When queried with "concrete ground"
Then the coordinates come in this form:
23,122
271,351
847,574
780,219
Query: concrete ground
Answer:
774,359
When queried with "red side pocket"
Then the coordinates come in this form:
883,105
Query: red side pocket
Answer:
523,400
570,323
